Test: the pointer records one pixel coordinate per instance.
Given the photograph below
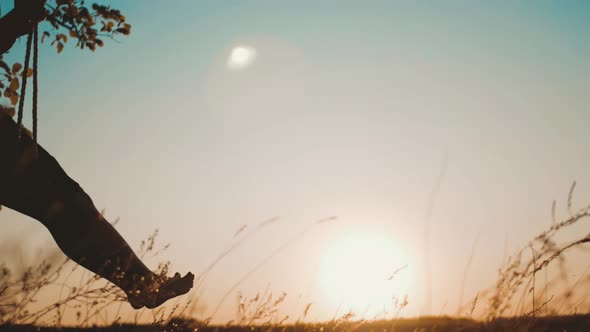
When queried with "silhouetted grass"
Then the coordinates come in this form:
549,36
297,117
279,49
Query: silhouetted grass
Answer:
440,324
515,303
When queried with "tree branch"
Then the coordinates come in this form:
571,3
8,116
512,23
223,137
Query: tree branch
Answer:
20,21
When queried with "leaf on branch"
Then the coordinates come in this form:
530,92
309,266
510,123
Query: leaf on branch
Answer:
14,99
46,34
60,47
16,68
125,30
14,84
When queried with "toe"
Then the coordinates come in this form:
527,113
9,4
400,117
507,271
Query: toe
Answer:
172,288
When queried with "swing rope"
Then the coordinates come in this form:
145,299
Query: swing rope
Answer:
32,41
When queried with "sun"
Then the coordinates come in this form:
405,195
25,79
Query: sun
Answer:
241,57
364,272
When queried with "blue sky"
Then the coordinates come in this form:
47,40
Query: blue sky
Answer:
347,111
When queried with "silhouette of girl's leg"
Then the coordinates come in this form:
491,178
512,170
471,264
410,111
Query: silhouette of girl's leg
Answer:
38,187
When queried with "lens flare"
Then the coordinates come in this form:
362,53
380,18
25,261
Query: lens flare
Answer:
241,57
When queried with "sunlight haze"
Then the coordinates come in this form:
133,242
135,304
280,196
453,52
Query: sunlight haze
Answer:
225,114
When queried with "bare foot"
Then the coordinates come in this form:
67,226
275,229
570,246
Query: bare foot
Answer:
154,295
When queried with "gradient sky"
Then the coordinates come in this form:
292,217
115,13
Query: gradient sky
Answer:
348,110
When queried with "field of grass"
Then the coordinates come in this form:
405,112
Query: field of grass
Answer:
516,302
441,324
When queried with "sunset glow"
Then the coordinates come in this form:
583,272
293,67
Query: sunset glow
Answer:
295,162
364,272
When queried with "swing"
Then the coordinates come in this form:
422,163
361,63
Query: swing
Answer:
32,38
35,185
